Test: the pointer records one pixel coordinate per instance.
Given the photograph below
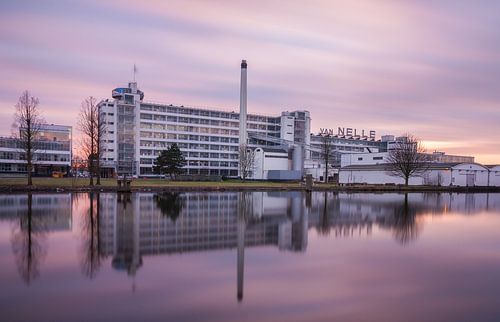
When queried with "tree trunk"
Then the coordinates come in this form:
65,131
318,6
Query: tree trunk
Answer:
98,175
29,167
406,180
326,171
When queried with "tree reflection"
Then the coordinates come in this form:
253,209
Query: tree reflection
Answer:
323,227
406,228
91,246
170,204
27,243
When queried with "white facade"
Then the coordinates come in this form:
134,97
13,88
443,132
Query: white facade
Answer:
363,158
494,179
267,159
438,174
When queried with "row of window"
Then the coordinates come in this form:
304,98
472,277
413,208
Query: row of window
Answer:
36,157
221,172
198,112
188,137
194,129
198,163
192,146
153,153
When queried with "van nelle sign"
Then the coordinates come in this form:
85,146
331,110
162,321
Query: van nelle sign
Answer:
347,131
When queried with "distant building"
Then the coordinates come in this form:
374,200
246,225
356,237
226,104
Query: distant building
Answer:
447,158
52,153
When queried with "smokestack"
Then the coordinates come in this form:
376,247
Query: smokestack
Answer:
243,103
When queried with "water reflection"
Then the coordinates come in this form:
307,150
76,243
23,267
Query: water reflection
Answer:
169,203
91,250
36,215
128,227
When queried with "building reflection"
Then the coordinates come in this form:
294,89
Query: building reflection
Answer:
134,225
137,225
37,214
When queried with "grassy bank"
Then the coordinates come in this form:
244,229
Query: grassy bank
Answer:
82,184
70,183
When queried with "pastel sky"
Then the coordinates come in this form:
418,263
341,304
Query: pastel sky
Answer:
431,68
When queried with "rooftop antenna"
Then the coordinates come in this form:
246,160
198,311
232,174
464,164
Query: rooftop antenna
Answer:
135,71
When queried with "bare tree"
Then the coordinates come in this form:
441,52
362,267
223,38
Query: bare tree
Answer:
326,153
28,122
88,125
246,161
408,158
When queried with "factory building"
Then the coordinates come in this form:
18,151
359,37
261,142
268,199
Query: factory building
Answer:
52,154
210,139
137,130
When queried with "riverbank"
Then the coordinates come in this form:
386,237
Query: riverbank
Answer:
16,185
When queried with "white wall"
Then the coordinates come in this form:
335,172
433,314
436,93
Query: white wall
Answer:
287,127
363,158
461,171
495,176
265,161
374,177
457,176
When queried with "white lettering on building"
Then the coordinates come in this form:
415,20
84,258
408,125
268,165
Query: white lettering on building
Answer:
348,132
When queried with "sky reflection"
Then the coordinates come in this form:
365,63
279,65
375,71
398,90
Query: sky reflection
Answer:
300,262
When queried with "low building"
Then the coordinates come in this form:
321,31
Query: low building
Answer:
382,157
494,180
52,153
437,174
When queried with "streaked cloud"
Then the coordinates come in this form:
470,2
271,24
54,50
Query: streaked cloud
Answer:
432,69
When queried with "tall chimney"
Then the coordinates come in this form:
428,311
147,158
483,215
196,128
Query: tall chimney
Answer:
243,103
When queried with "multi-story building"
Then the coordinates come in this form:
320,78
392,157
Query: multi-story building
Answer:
138,130
52,152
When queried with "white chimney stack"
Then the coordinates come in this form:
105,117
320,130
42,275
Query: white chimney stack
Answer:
243,103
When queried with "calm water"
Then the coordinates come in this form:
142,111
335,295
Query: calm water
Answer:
260,256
